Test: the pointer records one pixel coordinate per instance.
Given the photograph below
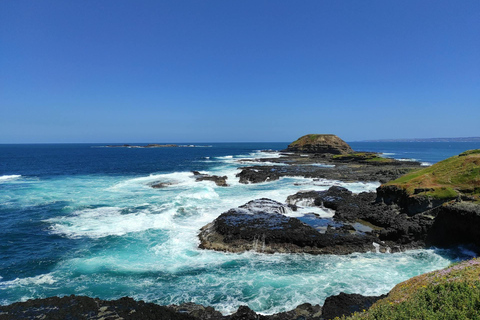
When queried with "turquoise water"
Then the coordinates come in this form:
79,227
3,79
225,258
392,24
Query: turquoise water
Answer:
82,219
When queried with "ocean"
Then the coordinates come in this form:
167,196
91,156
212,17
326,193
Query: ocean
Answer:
83,219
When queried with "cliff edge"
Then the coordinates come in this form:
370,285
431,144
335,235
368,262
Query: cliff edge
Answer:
455,178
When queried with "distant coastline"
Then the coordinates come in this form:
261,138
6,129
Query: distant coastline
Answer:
465,139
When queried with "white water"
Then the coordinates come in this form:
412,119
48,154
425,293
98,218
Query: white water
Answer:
142,242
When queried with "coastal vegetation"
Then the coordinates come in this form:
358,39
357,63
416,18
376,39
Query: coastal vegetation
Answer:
458,176
451,293
369,157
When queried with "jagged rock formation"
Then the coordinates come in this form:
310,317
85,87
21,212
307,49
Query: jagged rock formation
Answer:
219,181
455,224
398,231
260,226
320,143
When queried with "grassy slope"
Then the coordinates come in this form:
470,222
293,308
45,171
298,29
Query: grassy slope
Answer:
452,293
308,139
446,179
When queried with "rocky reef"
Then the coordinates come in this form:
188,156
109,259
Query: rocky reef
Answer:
260,225
219,181
320,143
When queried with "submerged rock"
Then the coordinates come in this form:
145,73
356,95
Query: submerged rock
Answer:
320,143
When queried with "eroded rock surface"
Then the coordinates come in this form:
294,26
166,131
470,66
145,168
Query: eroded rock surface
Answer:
260,226
219,181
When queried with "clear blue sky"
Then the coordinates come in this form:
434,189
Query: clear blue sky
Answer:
219,71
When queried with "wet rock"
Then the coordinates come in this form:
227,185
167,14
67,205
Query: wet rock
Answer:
267,230
80,307
333,197
245,313
161,185
219,181
345,304
197,311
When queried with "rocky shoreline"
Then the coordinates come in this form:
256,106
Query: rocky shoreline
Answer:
389,220
81,307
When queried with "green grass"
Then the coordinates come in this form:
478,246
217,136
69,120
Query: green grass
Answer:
309,138
446,179
362,156
452,293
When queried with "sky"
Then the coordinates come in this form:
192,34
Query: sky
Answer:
237,71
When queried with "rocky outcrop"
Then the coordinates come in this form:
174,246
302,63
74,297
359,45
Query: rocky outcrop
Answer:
161,185
80,307
456,224
345,304
320,143
345,172
398,231
219,181
263,228
410,204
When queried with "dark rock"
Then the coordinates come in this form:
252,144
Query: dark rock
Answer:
392,194
197,311
269,231
456,224
80,307
219,181
345,172
304,198
333,197
161,185
345,304
245,313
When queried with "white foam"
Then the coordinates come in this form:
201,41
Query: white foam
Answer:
43,279
9,177
107,221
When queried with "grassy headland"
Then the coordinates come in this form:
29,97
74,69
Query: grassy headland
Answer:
448,179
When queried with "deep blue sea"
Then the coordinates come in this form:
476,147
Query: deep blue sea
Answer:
82,219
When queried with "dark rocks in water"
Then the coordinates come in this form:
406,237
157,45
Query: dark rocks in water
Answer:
267,230
333,197
219,181
320,143
347,172
456,224
398,231
345,304
161,185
